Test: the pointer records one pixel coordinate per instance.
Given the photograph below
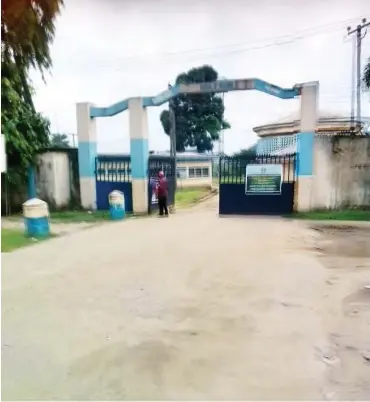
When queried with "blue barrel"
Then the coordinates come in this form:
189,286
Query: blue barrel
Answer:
36,218
117,205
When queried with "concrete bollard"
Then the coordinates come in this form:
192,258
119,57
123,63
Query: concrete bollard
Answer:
36,218
117,205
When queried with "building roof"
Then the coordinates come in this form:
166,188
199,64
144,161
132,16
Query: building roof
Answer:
323,114
186,154
327,121
180,156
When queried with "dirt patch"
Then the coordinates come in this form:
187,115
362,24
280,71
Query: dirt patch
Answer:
344,241
344,249
247,311
216,320
357,302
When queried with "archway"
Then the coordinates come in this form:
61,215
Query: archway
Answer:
138,127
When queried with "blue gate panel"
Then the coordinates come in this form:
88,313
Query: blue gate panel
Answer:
113,172
232,193
234,201
103,189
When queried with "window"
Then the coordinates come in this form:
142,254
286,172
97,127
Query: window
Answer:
198,172
181,173
205,172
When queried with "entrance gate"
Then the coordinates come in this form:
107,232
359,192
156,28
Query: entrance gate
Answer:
137,107
113,173
155,165
259,189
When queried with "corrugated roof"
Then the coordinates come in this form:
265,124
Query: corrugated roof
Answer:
293,119
184,154
323,114
181,156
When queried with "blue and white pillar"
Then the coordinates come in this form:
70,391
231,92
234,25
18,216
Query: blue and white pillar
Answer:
305,144
87,152
139,150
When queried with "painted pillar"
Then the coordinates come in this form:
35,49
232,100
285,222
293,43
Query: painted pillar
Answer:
87,151
31,185
139,150
305,144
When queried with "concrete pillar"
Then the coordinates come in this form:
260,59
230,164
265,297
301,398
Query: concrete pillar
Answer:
139,150
87,152
305,144
31,184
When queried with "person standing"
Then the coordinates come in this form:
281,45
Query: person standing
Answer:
162,194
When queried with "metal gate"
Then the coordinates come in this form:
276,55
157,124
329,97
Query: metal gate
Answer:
155,165
260,186
113,173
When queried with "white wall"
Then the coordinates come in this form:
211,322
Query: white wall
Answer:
53,178
341,172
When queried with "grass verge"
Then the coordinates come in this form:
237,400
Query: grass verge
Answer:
79,216
73,216
12,239
186,197
344,215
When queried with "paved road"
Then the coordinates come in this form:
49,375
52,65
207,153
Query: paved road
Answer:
191,307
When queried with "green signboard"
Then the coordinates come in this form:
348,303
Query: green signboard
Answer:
263,179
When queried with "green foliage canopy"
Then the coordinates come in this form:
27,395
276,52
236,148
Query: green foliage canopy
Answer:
27,30
199,117
25,130
59,141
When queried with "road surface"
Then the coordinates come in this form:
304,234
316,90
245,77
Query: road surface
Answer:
191,307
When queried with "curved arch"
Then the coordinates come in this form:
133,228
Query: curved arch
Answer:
218,86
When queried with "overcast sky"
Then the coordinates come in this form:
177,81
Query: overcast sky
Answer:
108,50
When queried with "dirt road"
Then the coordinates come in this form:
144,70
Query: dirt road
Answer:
191,307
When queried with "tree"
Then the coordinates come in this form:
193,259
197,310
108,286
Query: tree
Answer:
366,77
249,153
199,117
27,29
25,131
59,141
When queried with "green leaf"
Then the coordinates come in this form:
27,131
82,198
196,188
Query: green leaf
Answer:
199,117
27,29
26,132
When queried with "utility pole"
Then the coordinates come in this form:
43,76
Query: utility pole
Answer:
222,138
359,38
173,138
353,86
221,142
